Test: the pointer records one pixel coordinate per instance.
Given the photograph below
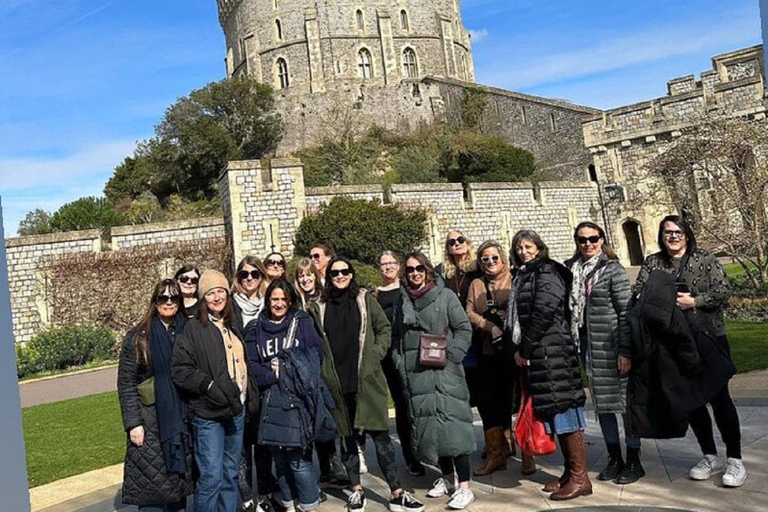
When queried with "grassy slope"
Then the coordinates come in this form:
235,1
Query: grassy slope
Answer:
748,345
71,437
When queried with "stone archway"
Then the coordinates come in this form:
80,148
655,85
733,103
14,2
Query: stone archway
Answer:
633,237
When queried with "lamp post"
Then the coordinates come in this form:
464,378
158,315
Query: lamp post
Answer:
14,493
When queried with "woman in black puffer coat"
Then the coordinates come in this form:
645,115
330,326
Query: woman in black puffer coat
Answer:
158,458
539,319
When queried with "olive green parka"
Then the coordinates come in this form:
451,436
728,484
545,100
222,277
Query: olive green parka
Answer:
374,339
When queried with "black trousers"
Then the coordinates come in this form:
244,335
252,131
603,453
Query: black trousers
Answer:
495,391
385,450
459,464
727,419
261,457
402,418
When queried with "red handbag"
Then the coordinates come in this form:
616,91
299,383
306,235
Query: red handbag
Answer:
530,434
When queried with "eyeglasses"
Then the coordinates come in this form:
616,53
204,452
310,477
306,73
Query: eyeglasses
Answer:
388,264
591,239
275,263
316,256
674,234
244,274
456,241
418,268
164,299
489,259
188,279
340,272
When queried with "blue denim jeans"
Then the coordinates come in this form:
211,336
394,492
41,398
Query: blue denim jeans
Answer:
610,428
296,477
170,507
218,447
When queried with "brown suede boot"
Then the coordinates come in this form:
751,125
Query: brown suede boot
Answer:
578,482
508,448
494,438
528,466
555,485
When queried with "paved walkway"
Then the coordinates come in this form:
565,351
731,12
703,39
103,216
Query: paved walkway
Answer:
71,385
666,485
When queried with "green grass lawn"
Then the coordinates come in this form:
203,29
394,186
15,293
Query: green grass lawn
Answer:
749,344
71,437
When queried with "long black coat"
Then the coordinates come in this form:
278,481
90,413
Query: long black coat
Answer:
145,478
677,366
554,380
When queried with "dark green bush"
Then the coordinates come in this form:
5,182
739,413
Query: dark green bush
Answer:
27,361
361,229
72,345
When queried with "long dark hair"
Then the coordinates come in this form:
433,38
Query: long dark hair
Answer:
354,288
141,333
533,237
227,315
288,290
607,249
690,238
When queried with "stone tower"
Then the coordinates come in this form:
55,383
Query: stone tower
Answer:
370,54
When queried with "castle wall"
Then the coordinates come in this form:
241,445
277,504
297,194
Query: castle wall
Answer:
126,237
622,141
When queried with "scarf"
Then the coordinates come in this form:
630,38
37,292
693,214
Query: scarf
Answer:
250,307
342,325
417,294
513,320
580,290
171,410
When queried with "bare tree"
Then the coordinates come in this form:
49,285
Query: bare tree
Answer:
718,171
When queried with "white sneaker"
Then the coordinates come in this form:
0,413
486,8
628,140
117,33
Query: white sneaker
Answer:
461,499
439,488
363,465
706,467
735,473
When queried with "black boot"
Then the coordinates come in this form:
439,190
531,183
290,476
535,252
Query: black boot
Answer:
633,471
615,463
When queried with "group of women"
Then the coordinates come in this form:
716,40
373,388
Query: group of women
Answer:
218,378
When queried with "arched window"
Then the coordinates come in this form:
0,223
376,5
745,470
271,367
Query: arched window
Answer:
403,20
410,67
360,20
364,68
278,30
282,73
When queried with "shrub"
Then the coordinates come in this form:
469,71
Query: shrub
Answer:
27,360
72,345
747,303
361,229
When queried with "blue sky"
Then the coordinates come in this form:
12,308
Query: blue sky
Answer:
82,80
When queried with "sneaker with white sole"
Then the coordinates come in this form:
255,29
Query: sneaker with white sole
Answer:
363,465
405,503
735,473
440,488
356,501
706,467
461,499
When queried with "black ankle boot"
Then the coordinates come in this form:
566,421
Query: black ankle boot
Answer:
633,470
615,463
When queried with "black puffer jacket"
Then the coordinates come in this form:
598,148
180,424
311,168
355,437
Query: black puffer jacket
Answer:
554,380
199,358
145,478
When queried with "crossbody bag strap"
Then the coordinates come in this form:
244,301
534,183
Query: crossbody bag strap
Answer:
291,338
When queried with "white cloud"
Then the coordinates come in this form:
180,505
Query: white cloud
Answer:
49,182
478,34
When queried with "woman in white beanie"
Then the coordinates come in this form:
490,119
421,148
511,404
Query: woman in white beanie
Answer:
209,366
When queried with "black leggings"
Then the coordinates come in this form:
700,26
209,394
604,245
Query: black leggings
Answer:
402,419
459,464
727,419
496,386
385,450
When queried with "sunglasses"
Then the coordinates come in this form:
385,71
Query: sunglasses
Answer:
244,274
164,299
677,234
275,263
456,241
418,268
188,279
488,259
316,256
341,272
591,239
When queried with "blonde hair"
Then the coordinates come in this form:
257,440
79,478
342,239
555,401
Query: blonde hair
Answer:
256,263
470,263
306,266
